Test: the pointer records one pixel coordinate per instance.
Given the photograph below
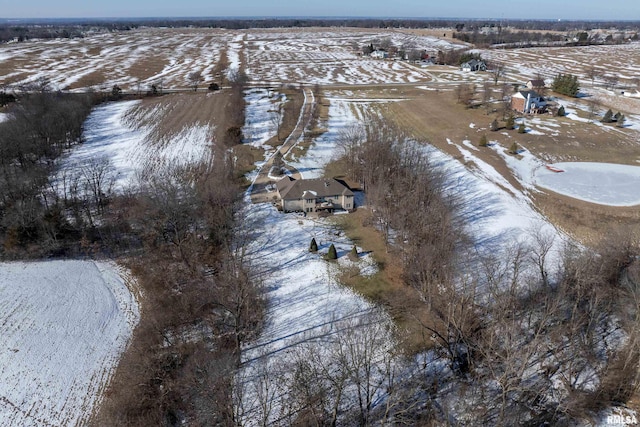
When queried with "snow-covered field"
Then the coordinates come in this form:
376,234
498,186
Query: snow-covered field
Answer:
325,57
497,213
64,325
620,60
165,56
112,136
341,116
129,59
602,183
306,306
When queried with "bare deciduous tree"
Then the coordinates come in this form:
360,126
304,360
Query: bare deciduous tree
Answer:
497,70
194,78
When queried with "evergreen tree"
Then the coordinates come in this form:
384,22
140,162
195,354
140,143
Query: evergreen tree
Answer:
616,117
566,84
514,148
510,122
561,112
521,128
314,246
608,116
483,141
494,125
621,121
332,254
354,253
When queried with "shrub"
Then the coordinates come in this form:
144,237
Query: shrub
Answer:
494,125
483,141
521,128
561,112
233,136
354,253
621,120
510,122
214,86
514,148
608,116
332,254
314,246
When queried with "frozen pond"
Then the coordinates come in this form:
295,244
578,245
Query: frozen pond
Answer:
602,183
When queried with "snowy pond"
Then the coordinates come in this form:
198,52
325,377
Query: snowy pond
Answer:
601,183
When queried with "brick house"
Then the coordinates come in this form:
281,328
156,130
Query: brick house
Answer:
528,101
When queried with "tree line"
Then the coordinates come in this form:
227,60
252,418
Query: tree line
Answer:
505,36
73,28
200,300
41,127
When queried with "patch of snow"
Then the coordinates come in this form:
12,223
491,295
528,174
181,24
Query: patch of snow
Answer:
341,116
469,144
524,165
64,326
260,116
497,213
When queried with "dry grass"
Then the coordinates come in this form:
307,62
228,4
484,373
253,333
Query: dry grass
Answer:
246,156
386,287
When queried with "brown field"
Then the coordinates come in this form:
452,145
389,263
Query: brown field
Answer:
172,113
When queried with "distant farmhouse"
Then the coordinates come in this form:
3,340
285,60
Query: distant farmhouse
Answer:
379,54
528,101
313,195
536,84
474,65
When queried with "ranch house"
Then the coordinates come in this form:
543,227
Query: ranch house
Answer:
313,195
528,101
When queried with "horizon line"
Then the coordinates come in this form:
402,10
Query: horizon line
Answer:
319,17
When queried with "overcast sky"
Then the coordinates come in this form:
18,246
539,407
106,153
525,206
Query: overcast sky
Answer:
534,9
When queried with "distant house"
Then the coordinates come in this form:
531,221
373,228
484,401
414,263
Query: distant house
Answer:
536,84
313,195
528,101
379,54
474,65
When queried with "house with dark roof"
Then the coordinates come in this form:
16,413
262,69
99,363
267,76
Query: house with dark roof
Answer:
528,101
313,195
474,65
